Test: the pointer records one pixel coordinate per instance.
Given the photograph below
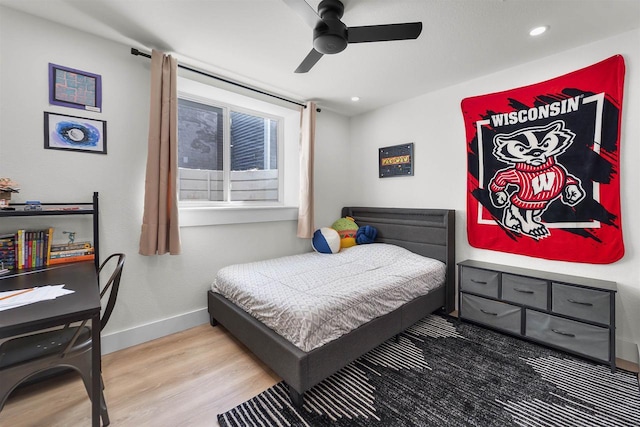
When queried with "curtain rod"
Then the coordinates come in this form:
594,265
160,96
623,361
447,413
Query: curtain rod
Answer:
136,52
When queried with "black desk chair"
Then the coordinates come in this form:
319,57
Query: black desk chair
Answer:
29,356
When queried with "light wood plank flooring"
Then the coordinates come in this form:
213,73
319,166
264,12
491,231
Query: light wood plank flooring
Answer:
185,379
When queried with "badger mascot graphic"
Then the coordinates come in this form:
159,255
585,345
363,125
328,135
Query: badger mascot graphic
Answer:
533,180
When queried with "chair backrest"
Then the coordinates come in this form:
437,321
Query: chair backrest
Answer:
111,286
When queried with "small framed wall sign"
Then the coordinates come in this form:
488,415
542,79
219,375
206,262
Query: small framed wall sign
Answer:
62,132
74,88
396,160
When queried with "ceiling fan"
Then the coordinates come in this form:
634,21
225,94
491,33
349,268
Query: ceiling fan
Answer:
331,35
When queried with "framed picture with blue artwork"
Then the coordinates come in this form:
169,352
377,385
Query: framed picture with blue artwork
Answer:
63,132
73,88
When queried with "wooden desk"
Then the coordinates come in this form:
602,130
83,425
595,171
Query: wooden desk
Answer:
83,304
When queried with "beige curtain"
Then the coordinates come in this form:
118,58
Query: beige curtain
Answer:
307,142
160,232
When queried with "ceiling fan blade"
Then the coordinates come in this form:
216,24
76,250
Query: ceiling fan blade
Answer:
308,62
305,11
381,33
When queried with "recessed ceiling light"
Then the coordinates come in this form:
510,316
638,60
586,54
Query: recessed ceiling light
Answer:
538,30
355,98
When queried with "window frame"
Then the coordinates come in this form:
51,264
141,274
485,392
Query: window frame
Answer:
209,212
227,109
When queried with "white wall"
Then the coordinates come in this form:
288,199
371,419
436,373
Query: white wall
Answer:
159,294
435,124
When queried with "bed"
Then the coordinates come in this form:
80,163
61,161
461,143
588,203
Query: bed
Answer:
426,232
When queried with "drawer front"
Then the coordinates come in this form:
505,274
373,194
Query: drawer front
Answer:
525,290
585,339
588,304
492,313
478,281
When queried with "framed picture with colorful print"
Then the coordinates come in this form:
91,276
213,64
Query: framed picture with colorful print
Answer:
396,160
73,88
543,167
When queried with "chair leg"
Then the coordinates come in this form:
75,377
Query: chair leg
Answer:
11,379
17,375
84,367
104,414
5,391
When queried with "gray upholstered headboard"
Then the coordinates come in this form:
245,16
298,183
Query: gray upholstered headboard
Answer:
427,232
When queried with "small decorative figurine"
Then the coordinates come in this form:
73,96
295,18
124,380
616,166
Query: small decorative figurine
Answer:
72,235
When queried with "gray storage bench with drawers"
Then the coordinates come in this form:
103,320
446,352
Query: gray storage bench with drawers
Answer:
570,313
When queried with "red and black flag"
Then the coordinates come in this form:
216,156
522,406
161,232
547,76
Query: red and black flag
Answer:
543,174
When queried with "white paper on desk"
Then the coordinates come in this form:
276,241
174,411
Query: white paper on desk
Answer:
39,293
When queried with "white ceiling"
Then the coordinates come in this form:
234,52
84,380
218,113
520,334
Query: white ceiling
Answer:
261,42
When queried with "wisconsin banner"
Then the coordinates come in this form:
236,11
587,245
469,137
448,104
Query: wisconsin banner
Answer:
544,167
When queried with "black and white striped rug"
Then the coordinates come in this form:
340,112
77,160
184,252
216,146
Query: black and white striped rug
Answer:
446,373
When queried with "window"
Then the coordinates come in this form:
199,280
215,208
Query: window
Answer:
225,138
226,153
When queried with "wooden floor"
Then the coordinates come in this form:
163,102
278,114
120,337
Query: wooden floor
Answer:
185,379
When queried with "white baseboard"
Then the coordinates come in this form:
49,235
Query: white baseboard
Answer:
140,334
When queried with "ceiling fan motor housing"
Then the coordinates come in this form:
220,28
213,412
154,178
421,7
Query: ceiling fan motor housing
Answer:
330,35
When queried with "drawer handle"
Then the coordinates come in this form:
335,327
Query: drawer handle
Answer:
479,282
524,291
580,302
489,313
566,334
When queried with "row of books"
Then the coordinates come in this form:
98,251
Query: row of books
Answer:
35,248
71,252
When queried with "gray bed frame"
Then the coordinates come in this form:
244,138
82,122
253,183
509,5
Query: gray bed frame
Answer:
428,232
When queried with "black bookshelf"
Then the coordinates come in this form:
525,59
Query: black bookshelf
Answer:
62,209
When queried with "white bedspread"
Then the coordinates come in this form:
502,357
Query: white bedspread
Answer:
311,299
